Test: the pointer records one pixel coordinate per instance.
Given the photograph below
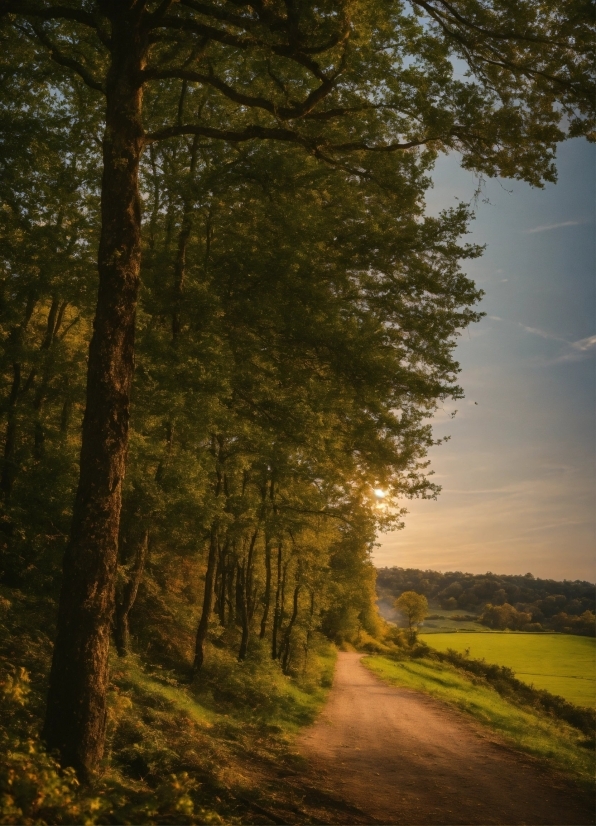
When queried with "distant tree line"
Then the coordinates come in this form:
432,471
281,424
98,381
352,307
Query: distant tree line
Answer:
501,601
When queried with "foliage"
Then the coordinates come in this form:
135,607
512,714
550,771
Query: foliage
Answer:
177,753
505,616
261,172
515,602
522,726
414,607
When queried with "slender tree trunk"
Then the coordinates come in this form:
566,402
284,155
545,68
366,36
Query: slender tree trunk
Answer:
309,629
248,596
217,585
287,642
242,610
128,596
277,612
230,585
267,595
10,439
221,582
207,602
55,317
76,711
66,408
183,239
8,474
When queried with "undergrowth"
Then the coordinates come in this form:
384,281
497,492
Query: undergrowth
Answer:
177,752
527,728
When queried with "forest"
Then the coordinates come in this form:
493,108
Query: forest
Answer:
227,319
502,601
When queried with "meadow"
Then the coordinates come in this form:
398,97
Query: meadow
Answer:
560,663
534,733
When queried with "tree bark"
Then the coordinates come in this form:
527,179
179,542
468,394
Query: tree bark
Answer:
8,473
207,602
286,645
309,629
128,595
267,595
55,317
247,596
277,611
76,710
183,239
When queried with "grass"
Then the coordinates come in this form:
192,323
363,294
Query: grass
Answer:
560,663
443,620
177,752
559,744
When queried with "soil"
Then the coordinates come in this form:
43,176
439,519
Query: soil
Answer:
380,754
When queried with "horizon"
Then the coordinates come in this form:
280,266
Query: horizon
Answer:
481,573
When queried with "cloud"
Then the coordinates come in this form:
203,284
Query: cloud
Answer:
542,333
579,350
585,343
547,227
544,524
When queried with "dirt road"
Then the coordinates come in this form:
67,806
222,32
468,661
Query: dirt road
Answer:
402,758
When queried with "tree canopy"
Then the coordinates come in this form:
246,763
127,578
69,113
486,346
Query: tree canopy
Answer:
250,178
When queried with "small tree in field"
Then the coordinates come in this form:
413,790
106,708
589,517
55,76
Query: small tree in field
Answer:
414,607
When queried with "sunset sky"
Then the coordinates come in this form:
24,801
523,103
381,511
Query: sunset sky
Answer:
518,480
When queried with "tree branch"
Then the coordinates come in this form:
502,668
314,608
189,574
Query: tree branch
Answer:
220,14
239,42
488,32
68,62
255,132
247,134
42,12
281,112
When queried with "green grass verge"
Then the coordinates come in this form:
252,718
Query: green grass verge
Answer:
559,744
563,664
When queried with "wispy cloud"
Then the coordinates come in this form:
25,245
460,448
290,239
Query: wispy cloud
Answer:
547,227
585,343
542,333
580,349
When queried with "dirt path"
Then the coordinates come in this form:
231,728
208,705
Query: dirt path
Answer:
403,758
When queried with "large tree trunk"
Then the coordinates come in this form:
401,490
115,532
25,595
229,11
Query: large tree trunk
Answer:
76,712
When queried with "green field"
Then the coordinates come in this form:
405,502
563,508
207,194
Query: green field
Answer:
561,663
524,728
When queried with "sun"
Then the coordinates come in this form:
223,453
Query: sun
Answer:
380,493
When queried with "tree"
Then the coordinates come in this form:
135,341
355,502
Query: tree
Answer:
414,607
351,84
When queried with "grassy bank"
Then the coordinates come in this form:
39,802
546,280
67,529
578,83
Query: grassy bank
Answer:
563,664
211,751
563,746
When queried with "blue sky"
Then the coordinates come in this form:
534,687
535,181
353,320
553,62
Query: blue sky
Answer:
518,474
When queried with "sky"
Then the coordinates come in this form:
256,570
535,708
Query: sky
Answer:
518,473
